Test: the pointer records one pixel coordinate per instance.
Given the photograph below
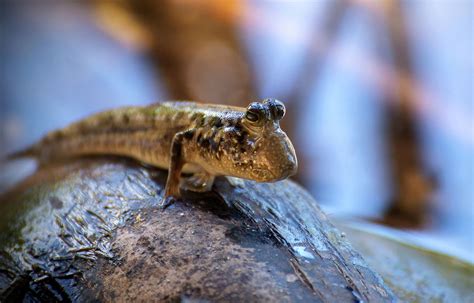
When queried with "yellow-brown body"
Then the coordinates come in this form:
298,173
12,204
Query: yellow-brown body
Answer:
204,139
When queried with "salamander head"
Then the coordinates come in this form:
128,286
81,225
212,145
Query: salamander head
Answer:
272,154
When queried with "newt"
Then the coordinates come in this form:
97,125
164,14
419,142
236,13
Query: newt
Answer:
204,140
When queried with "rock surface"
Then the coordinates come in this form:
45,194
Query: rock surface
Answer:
91,230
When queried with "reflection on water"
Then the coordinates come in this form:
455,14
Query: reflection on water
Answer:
379,95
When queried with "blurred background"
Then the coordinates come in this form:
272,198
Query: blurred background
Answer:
379,94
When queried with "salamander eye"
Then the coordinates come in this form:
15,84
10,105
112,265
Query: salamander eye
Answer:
277,108
253,117
255,112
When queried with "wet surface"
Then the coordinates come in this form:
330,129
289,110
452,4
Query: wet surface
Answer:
91,229
55,233
379,96
415,274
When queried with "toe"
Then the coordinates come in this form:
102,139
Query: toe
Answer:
167,201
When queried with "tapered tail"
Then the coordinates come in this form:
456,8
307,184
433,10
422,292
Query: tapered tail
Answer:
29,152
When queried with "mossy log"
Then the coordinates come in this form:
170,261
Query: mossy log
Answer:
91,230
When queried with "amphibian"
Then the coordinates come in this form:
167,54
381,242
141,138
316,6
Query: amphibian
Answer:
184,137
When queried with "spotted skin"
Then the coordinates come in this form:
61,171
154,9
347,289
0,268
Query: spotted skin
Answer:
203,139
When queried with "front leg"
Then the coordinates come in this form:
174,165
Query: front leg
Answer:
177,162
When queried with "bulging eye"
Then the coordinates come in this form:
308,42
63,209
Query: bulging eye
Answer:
253,117
276,107
255,112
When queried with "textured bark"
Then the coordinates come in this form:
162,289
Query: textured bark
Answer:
91,230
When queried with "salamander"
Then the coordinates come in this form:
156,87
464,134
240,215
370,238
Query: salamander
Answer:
204,140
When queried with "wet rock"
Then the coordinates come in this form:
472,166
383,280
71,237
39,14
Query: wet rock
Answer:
91,229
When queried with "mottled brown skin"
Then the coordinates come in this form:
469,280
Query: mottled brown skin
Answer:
203,139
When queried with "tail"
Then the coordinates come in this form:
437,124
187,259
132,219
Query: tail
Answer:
30,152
